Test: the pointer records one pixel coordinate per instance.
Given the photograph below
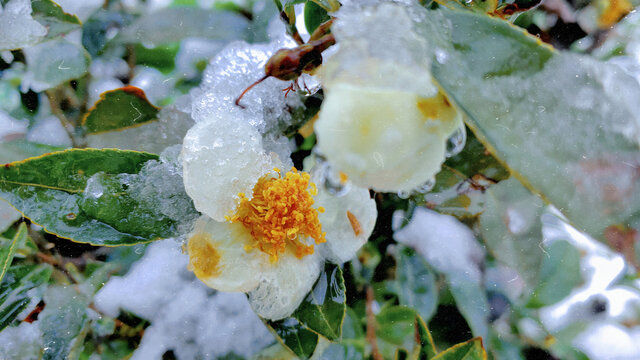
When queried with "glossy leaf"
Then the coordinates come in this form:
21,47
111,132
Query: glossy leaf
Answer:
323,309
171,25
50,190
559,274
562,122
8,250
314,15
469,350
423,335
62,321
415,283
512,229
295,336
119,109
13,289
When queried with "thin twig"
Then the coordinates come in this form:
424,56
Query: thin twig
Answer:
371,326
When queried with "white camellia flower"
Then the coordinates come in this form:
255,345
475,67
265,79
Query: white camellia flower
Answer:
383,121
265,231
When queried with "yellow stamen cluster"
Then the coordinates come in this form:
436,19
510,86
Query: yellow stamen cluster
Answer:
280,214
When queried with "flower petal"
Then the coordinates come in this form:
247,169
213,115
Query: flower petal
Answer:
221,158
218,257
284,286
348,221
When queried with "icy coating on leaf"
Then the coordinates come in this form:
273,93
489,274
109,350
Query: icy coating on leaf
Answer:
17,27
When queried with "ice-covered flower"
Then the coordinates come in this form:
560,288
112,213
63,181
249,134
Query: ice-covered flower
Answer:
17,27
265,230
384,122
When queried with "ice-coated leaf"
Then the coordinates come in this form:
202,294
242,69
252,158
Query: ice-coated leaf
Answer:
469,350
415,283
54,62
461,184
62,321
50,15
21,149
352,344
559,274
396,329
295,336
566,125
52,191
171,25
13,289
8,250
119,109
323,309
512,230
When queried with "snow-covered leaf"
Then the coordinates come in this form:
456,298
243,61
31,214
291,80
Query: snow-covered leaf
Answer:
54,62
81,194
13,289
52,16
62,322
119,109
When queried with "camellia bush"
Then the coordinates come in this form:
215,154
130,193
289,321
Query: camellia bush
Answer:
319,179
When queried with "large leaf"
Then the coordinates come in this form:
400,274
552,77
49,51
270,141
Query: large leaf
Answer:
566,125
62,321
323,309
469,350
13,289
50,190
119,109
8,250
173,24
415,283
511,228
295,336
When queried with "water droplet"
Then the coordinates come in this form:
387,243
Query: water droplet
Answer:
456,142
427,186
404,194
441,56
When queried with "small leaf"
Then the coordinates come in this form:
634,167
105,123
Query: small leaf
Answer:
469,350
7,251
119,109
51,16
423,335
559,274
314,15
295,336
160,57
13,289
323,309
415,283
54,62
49,190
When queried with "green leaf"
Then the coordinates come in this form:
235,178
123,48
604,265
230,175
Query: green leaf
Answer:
13,289
396,329
295,336
314,15
119,109
51,16
427,346
559,274
469,350
50,190
415,283
511,227
94,30
323,309
7,251
352,344
62,322
54,62
471,301
160,57
171,25
563,123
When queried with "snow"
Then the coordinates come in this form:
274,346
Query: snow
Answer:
17,27
185,315
21,342
49,131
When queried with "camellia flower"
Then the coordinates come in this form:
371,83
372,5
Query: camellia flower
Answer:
265,231
383,121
